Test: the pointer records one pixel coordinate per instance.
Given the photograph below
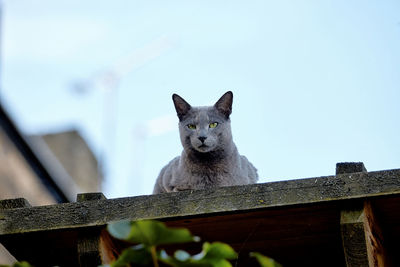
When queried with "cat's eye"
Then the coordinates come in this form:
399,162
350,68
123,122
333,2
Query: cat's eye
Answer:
191,126
213,125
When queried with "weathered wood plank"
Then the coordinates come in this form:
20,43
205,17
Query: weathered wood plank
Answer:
353,238
89,253
201,202
14,203
387,211
88,245
294,236
361,234
377,255
362,238
109,251
352,223
89,196
350,167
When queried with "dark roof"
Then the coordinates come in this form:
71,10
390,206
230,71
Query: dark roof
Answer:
30,156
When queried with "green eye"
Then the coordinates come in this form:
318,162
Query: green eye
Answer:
213,125
191,126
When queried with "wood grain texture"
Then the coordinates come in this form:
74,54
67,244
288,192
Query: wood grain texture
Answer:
14,203
298,222
352,223
377,255
350,167
88,244
353,237
89,196
201,202
387,211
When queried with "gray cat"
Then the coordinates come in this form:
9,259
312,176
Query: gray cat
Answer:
209,157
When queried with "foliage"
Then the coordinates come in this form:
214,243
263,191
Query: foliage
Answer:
148,234
264,261
138,255
213,255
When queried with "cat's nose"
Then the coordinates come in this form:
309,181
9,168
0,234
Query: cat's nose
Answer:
202,138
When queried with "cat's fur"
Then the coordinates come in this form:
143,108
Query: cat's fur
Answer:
209,157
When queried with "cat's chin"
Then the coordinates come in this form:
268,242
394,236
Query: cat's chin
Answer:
204,149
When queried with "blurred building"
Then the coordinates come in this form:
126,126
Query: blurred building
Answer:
47,169
70,152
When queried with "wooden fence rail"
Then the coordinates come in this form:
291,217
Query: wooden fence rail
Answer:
349,219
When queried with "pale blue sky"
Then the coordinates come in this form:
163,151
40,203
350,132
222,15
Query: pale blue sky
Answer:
314,82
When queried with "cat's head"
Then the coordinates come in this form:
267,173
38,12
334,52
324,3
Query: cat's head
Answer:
205,129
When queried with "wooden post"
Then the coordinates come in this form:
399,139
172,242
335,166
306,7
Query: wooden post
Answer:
361,235
89,197
353,237
14,203
350,167
6,204
352,224
89,251
375,242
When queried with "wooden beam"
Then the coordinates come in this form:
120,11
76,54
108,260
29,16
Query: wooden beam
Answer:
377,255
361,235
90,196
109,250
350,167
14,203
353,237
89,250
363,242
201,202
352,223
272,210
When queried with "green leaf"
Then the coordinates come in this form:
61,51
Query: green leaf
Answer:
213,255
136,255
176,262
218,250
264,261
149,233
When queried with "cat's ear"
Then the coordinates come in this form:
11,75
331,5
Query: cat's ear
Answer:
181,106
224,104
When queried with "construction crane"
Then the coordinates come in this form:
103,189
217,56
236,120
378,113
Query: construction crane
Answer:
108,81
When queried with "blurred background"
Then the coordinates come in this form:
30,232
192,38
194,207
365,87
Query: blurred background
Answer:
86,88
